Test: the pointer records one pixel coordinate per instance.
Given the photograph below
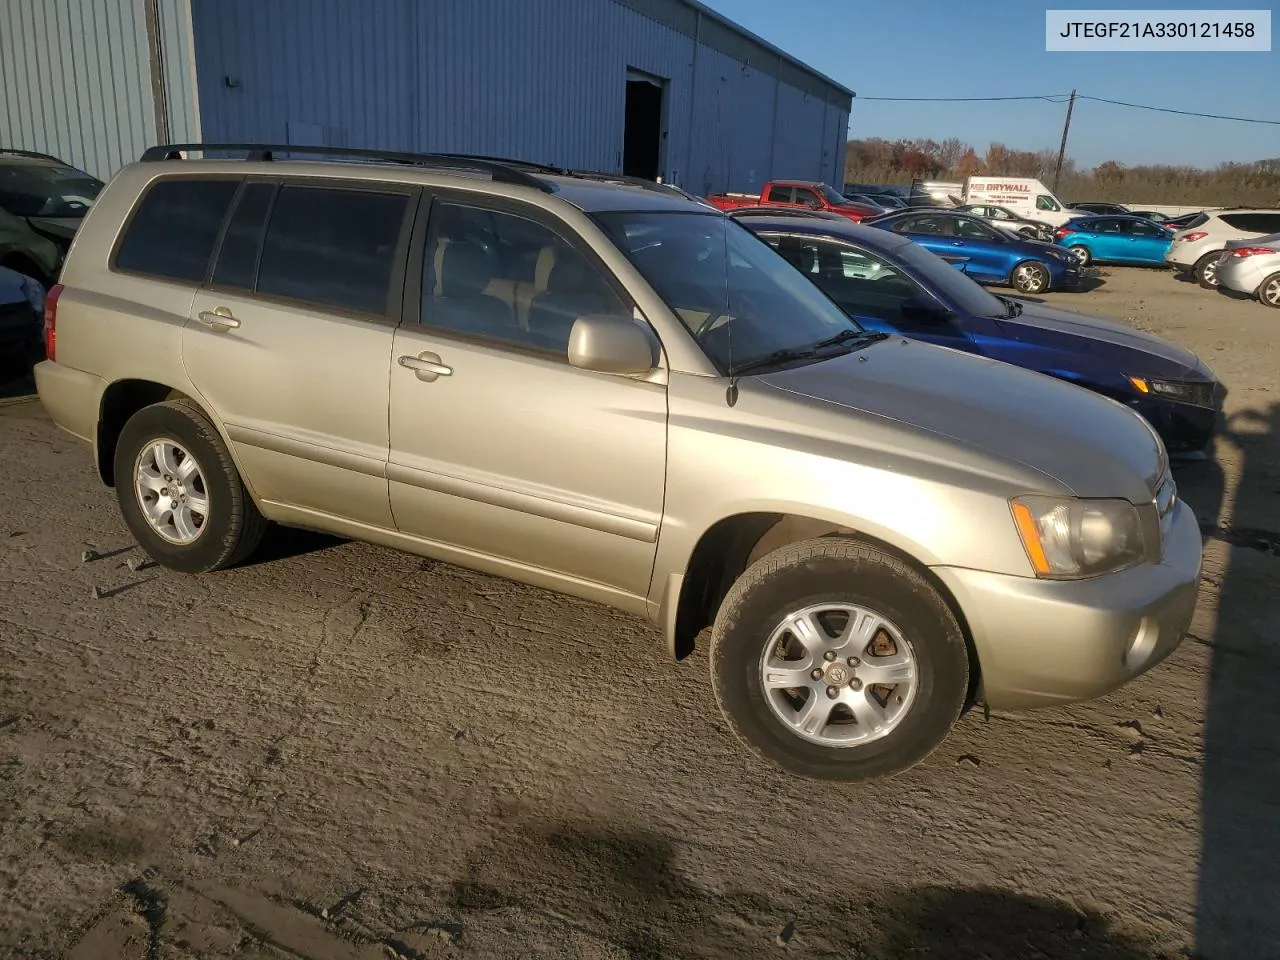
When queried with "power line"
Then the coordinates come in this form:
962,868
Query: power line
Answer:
1062,97
1185,113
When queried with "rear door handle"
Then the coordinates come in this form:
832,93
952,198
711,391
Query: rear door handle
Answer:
426,367
219,319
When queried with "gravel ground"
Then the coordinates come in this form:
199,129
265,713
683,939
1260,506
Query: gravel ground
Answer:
346,752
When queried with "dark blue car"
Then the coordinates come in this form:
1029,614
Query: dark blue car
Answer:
889,283
1127,239
994,256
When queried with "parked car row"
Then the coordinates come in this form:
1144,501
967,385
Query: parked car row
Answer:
740,421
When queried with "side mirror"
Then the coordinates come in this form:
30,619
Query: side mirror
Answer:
923,310
611,344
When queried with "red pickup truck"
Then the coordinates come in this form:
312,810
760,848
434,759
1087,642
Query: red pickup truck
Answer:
804,194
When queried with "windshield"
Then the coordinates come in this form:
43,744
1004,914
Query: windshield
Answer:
734,293
956,287
831,196
35,190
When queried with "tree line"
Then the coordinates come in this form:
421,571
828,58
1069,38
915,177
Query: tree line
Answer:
877,160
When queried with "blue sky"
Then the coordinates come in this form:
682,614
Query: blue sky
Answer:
913,48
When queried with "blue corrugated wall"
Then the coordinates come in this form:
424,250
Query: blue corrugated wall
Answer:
540,81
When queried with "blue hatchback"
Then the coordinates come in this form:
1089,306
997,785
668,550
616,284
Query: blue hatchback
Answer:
992,255
1118,239
889,283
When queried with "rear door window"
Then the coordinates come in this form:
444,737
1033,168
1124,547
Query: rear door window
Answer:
238,258
336,247
174,227
780,195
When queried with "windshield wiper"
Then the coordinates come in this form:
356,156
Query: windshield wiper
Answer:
863,337
843,338
778,356
1015,306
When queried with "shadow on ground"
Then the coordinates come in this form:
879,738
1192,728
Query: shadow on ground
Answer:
623,886
1239,884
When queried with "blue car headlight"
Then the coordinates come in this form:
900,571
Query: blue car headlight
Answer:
1199,392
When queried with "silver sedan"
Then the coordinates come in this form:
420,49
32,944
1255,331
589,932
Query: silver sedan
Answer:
1252,267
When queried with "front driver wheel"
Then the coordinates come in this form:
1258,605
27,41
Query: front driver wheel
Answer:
834,660
1030,277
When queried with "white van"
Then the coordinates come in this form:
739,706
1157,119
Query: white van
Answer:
1024,195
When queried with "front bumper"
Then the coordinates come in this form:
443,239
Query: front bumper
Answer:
1045,642
1183,427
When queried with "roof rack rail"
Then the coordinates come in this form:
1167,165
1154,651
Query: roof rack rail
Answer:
507,161
31,154
500,172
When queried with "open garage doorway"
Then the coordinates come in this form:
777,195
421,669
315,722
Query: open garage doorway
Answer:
644,136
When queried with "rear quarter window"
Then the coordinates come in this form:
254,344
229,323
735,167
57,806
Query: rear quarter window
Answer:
1252,222
174,227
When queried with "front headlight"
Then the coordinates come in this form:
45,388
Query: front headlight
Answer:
1070,539
1188,391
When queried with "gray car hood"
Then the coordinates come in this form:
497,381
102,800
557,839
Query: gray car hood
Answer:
1089,444
1045,319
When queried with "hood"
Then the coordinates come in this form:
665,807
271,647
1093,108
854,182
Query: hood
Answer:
1061,329
1090,445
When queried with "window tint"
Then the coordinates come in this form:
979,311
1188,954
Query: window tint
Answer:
1252,222
174,228
238,257
929,226
779,195
333,247
507,278
1107,225
974,229
1144,229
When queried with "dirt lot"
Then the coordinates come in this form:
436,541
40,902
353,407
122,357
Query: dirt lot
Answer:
346,752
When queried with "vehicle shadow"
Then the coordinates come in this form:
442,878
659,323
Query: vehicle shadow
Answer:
285,543
1238,884
620,885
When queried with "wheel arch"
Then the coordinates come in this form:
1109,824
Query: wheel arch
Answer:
121,400
730,545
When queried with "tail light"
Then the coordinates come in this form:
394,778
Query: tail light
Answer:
1253,251
1194,235
1061,232
51,320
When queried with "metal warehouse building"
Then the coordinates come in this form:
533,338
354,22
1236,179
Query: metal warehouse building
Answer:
649,87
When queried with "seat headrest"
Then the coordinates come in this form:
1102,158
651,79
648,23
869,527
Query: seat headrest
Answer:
465,270
569,276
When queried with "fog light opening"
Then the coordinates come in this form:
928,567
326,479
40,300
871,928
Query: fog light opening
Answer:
1142,645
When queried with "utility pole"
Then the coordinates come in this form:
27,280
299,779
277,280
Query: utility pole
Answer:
1062,150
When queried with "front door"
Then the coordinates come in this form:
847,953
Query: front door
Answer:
499,447
291,341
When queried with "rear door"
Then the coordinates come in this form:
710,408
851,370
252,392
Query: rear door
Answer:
501,449
1108,239
290,339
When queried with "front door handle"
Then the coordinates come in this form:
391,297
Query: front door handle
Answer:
426,366
219,319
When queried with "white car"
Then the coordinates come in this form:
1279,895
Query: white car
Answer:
1252,267
1197,248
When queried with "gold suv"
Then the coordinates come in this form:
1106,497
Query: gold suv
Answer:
608,389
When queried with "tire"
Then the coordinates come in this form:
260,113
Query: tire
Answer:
1082,254
1206,269
1030,276
230,527
1269,291
824,573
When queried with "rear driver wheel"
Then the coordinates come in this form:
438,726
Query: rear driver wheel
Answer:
835,660
180,493
1206,270
1269,291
